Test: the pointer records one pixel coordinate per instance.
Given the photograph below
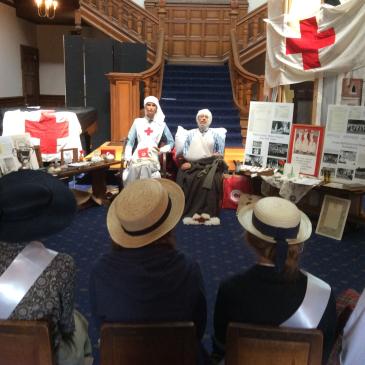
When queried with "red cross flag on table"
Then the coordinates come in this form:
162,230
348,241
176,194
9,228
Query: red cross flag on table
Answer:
329,42
51,130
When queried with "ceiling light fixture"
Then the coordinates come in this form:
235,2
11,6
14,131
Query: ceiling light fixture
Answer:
46,8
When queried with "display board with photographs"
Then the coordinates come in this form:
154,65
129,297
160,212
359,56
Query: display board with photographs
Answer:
267,141
305,148
344,146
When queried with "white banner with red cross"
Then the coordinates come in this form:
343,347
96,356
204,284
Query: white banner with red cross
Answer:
329,42
50,130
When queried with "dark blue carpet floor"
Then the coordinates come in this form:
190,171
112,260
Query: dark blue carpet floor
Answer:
220,250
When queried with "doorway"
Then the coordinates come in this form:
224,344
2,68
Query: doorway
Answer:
30,74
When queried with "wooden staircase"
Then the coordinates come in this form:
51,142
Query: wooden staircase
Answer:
198,33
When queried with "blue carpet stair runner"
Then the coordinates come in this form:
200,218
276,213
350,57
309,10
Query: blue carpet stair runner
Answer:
187,89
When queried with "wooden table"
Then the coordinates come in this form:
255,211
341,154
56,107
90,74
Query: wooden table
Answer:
97,171
116,148
311,203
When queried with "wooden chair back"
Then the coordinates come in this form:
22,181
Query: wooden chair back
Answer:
152,344
248,344
25,343
37,151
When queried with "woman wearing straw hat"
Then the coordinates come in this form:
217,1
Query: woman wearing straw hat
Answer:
275,291
143,277
34,205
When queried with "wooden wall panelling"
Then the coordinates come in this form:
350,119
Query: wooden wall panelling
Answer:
198,33
124,99
52,100
13,101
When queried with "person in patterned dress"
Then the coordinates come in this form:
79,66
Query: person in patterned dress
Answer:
34,205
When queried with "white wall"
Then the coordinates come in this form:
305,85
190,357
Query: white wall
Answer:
253,4
13,33
51,62
139,2
49,41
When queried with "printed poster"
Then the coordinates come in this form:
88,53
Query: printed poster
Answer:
305,151
268,133
344,146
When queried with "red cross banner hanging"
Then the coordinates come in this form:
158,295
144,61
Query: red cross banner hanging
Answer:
329,42
51,130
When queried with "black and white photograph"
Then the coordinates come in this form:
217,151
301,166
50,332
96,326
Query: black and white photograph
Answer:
346,174
330,158
278,149
356,126
331,170
360,173
280,127
275,163
256,151
252,160
347,157
257,144
7,164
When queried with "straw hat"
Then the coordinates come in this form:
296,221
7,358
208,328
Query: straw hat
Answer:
273,219
144,211
33,205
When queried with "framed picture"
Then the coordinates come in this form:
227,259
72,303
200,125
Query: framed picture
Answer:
351,91
333,217
305,148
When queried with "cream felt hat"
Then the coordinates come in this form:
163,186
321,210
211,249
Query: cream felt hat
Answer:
144,211
274,219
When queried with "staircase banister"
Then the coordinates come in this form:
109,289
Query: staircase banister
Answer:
240,23
236,62
123,76
138,8
252,14
120,29
159,57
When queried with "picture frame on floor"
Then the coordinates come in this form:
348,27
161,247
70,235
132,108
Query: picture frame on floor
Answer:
333,217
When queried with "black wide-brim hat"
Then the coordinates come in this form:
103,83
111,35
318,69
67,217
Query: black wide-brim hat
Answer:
33,205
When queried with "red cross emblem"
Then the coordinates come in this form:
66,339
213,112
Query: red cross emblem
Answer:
310,42
47,130
143,152
148,131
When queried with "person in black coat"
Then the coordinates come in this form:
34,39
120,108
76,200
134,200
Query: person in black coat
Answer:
144,278
273,291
